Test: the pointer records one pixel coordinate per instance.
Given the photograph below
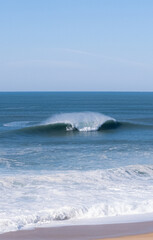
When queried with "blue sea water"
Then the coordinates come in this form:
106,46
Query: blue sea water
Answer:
74,156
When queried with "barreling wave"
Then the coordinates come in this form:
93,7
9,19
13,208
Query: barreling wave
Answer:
81,122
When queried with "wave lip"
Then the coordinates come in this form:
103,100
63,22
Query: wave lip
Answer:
72,122
81,121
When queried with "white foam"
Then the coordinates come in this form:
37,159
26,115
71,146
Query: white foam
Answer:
50,198
83,121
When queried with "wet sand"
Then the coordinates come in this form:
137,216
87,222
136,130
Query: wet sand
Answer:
87,232
148,236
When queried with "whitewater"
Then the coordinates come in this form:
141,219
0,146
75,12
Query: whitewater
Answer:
75,158
83,121
62,196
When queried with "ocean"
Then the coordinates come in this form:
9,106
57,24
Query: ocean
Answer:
75,158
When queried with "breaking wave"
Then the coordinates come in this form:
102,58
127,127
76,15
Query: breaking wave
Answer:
82,122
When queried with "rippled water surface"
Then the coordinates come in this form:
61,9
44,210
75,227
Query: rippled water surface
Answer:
74,156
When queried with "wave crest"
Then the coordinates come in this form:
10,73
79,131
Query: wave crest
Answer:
79,122
82,121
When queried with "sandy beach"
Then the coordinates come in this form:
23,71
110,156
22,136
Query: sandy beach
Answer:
125,231
148,236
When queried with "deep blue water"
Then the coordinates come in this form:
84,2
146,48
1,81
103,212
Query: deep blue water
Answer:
47,149
75,138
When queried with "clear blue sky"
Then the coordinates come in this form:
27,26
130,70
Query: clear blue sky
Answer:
79,45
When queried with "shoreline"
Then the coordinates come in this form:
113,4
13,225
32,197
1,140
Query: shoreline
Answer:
148,236
84,232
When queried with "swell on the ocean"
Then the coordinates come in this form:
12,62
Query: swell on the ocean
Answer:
80,122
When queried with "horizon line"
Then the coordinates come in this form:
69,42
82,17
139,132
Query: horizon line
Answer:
66,91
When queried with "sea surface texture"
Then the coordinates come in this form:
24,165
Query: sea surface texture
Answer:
71,158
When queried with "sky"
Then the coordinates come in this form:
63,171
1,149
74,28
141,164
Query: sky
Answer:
76,45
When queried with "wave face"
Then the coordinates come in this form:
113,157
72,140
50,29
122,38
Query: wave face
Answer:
49,128
80,122
50,198
83,121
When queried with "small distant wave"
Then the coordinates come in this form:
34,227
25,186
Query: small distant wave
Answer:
134,125
16,124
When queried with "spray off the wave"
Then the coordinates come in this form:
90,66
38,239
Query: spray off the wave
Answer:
68,122
82,121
